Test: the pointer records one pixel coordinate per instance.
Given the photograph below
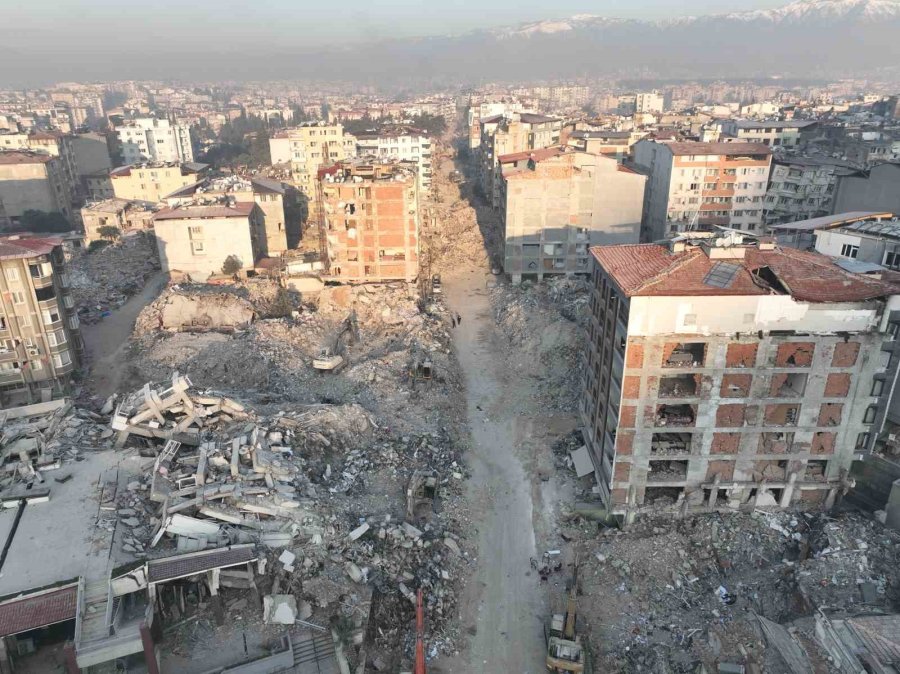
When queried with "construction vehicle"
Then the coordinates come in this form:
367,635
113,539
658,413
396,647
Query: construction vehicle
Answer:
421,494
331,357
565,651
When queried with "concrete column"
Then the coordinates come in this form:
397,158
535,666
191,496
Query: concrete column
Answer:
788,493
149,650
831,498
892,508
70,659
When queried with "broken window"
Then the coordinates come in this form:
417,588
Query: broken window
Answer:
794,354
771,470
816,470
678,386
667,471
687,354
788,385
782,415
775,443
670,444
675,415
662,496
869,416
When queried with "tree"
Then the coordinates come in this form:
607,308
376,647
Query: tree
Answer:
99,244
109,232
44,221
232,265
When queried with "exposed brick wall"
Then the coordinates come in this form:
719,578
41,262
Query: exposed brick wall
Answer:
795,354
822,443
769,470
736,385
627,416
725,443
725,469
631,387
741,355
830,414
770,444
619,496
778,415
621,472
837,385
811,495
730,416
845,354
624,442
634,356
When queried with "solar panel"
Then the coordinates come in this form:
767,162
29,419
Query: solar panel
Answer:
721,275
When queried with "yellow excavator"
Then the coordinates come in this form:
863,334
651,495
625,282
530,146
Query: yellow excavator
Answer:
331,357
565,650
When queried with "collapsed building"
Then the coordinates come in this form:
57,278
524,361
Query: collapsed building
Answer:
725,374
369,227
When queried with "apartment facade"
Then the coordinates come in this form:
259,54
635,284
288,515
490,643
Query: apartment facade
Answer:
557,202
481,111
801,188
34,181
693,186
399,146
40,337
274,198
371,215
877,189
309,146
148,139
144,182
774,133
721,375
126,216
196,238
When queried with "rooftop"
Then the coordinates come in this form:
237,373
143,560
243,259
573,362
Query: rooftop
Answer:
186,167
828,221
889,229
203,209
116,205
15,247
655,270
24,157
774,123
729,149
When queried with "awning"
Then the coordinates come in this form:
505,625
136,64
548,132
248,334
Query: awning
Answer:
38,610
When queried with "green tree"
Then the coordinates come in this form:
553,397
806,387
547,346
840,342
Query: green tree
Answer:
109,232
232,265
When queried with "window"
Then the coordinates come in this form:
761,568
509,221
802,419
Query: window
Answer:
35,365
198,248
195,232
42,270
869,417
892,260
12,274
877,387
849,250
56,338
18,297
50,316
62,359
862,441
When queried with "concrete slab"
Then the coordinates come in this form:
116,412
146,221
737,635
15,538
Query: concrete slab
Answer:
582,461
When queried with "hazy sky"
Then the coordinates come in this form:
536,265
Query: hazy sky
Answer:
102,24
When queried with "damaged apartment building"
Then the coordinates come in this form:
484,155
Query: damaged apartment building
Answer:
721,374
370,218
557,202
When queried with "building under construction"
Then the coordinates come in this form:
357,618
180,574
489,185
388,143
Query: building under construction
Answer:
369,221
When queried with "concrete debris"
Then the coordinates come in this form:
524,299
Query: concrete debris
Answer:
280,609
103,280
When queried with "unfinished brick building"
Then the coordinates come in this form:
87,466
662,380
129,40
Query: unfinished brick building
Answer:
371,221
721,374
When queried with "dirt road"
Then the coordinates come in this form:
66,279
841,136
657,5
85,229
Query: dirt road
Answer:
504,604
107,340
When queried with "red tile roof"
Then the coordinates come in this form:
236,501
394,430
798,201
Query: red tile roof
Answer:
653,270
28,613
14,247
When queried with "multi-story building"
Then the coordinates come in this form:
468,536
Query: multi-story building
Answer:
615,144
874,241
481,111
507,135
557,202
309,146
144,182
400,145
278,201
155,140
649,102
802,187
694,185
34,181
197,238
774,133
371,218
124,215
875,189
726,375
40,338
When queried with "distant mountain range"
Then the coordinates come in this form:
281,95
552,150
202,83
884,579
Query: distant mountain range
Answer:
804,39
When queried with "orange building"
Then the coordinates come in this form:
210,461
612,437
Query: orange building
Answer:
371,220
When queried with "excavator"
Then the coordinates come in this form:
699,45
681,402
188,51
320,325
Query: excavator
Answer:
565,651
331,357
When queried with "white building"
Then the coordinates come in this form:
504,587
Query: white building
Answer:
695,186
411,146
773,133
652,101
802,187
158,140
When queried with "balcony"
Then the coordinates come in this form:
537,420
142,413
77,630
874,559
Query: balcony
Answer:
10,376
41,281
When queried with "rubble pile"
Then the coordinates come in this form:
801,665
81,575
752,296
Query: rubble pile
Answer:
272,359
104,279
545,323
344,505
683,593
469,229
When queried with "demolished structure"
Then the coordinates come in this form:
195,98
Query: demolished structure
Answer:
726,374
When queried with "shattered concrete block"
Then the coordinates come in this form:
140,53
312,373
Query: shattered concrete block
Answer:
287,558
411,531
279,609
354,572
358,531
